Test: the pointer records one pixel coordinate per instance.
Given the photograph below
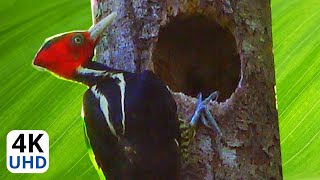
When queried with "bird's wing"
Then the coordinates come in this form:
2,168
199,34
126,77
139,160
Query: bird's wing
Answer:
102,142
160,103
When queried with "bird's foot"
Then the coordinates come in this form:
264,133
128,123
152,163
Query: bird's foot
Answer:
202,112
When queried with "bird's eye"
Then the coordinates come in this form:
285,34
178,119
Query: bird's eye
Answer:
77,39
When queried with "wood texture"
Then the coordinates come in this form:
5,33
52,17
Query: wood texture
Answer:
247,114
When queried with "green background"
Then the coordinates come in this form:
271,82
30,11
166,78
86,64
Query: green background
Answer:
33,100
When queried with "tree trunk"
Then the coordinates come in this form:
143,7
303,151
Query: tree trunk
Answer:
202,46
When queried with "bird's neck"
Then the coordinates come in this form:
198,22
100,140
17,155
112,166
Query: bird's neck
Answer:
93,72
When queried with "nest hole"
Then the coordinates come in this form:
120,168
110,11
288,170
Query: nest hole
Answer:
195,54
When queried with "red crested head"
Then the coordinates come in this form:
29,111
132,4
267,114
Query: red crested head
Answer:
64,53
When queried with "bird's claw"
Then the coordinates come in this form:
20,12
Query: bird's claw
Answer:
203,113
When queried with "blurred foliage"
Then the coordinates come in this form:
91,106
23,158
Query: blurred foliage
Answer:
296,39
35,100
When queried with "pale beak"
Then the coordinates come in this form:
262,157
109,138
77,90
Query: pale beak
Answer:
97,29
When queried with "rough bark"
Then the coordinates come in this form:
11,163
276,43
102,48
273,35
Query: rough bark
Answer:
247,112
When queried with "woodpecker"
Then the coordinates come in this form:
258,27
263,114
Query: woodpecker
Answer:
131,122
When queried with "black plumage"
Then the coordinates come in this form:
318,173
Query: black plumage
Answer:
147,147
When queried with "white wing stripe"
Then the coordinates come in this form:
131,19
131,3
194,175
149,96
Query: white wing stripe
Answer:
96,73
104,105
122,86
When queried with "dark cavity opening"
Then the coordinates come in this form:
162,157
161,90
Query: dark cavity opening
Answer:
195,54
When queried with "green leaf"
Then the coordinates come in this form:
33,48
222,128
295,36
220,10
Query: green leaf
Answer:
296,38
36,100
